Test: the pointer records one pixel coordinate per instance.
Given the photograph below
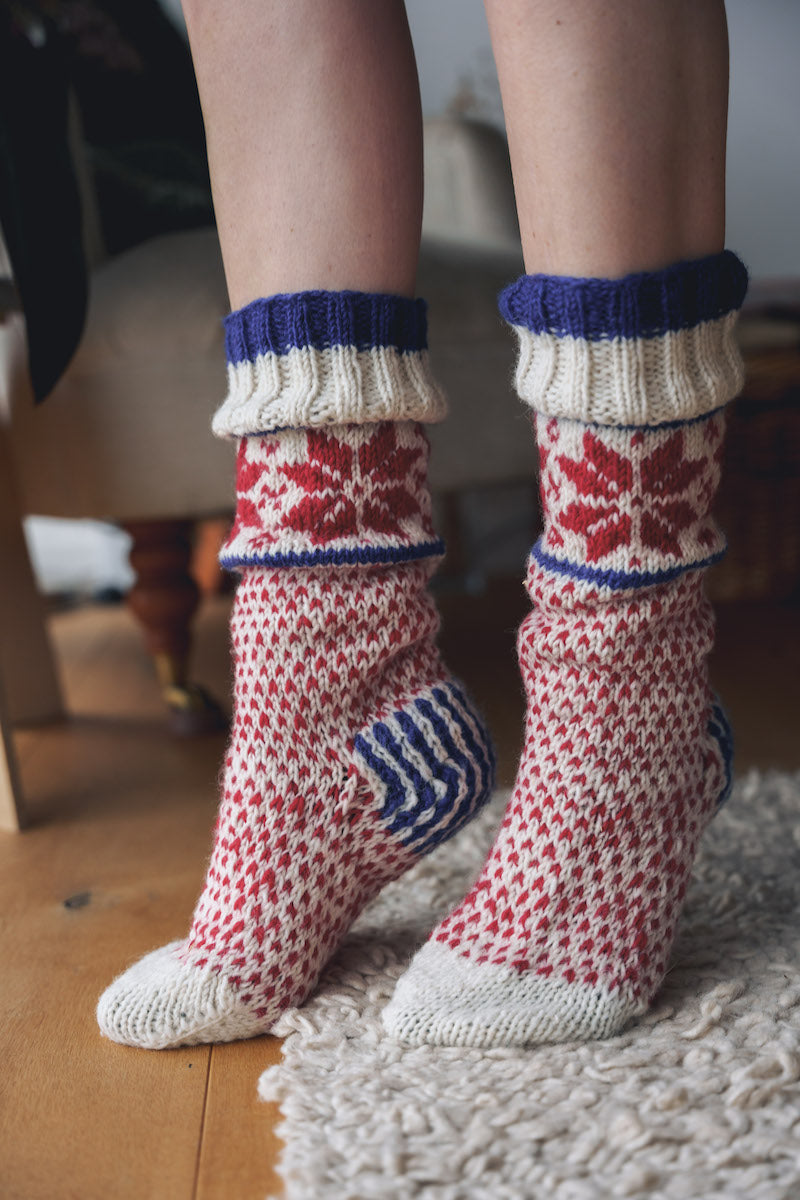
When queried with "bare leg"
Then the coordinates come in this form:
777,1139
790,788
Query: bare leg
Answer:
616,117
314,142
340,770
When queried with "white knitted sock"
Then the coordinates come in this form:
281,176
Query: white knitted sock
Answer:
567,931
353,751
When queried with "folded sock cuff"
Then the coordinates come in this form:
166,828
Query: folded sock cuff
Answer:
642,350
647,304
320,320
320,358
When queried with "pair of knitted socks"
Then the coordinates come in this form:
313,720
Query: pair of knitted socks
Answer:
353,751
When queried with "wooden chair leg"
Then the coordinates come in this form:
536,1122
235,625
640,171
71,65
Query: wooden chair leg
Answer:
27,666
164,600
29,687
12,802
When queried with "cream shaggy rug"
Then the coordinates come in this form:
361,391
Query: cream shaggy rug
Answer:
701,1099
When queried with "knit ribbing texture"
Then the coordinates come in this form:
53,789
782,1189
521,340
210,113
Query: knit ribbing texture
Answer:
320,358
567,932
642,350
353,751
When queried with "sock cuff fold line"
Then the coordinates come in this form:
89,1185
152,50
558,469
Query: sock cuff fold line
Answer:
645,350
327,358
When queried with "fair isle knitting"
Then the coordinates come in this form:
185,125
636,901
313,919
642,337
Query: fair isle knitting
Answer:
354,494
628,508
642,350
327,358
352,751
335,668
567,932
428,761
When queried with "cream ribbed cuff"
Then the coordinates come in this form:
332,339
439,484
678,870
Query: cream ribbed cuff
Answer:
339,385
674,376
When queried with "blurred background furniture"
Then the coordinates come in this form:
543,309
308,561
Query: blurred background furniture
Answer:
758,505
124,435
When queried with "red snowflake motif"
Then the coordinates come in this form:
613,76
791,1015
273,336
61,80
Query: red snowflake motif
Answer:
666,476
377,477
609,479
248,475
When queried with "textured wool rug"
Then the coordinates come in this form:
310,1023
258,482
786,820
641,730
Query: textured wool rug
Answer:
701,1099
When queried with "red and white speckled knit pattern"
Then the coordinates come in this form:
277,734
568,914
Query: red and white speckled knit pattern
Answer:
618,778
568,929
298,850
352,751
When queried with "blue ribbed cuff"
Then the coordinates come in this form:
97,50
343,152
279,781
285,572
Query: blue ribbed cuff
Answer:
320,320
644,305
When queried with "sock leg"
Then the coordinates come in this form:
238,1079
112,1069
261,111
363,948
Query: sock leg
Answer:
353,751
567,932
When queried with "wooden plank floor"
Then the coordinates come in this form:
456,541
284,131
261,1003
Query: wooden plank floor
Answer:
110,868
112,865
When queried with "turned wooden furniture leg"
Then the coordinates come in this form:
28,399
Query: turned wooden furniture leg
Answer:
164,600
209,536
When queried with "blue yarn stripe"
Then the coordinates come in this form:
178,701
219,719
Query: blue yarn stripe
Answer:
659,427
412,805
641,305
442,769
395,791
320,320
480,756
425,820
475,736
617,580
395,749
401,781
363,556
434,831
719,728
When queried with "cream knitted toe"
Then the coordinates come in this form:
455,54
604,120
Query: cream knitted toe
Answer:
444,999
161,1002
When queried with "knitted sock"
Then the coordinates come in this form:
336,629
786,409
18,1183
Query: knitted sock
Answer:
353,752
567,931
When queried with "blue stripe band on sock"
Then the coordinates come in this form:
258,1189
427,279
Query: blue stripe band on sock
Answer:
643,305
719,728
456,771
395,793
660,426
480,757
363,556
399,775
618,580
425,807
319,320
477,740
